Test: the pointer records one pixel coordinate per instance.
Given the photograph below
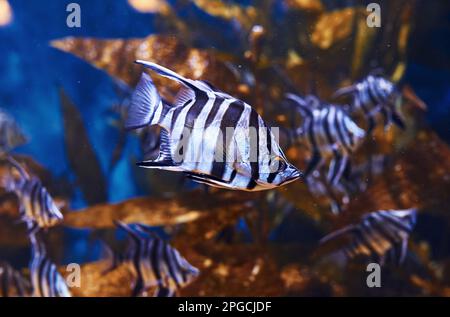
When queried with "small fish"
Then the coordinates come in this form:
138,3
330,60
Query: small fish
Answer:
378,235
154,262
35,203
11,136
330,132
45,278
209,135
374,95
358,177
12,283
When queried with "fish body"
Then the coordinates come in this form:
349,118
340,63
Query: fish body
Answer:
378,235
210,136
35,203
372,96
155,263
12,283
355,179
330,132
11,136
45,278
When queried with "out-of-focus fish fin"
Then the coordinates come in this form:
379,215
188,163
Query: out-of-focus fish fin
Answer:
144,102
112,259
23,173
193,84
300,103
338,233
337,168
411,96
344,91
147,230
398,120
314,163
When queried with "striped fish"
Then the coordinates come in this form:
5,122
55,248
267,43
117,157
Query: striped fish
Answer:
372,96
45,278
35,203
379,234
155,263
11,136
330,133
210,136
12,283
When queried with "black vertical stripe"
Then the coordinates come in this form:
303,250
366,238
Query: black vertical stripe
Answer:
254,123
339,125
229,120
212,113
251,184
326,125
171,269
155,261
191,116
272,175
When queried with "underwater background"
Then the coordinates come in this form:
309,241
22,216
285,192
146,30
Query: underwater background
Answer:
63,93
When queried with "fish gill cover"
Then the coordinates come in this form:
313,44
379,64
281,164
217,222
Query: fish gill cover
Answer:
359,120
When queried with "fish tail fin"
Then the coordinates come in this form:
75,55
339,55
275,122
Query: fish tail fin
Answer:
112,259
145,102
8,181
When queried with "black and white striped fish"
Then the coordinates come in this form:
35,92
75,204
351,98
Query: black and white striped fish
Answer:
35,203
11,136
12,283
378,235
372,96
155,263
210,136
45,278
330,132
355,179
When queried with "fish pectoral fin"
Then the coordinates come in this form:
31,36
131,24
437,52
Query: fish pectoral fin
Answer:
165,156
243,168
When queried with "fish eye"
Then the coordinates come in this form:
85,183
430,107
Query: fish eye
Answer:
277,164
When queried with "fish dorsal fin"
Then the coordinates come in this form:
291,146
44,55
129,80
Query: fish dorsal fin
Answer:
165,72
214,89
184,95
301,104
